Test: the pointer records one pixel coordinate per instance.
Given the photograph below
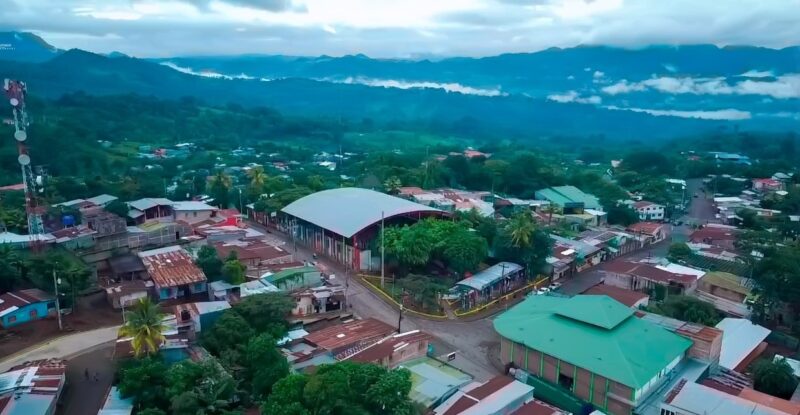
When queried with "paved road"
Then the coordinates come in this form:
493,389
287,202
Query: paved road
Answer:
62,347
83,396
470,340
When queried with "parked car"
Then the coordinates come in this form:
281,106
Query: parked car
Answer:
542,290
554,286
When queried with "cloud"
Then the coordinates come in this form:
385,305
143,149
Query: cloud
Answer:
598,74
720,115
209,74
573,96
391,83
268,5
757,74
392,29
783,87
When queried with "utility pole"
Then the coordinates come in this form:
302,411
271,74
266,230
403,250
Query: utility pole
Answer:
383,252
400,316
241,208
58,305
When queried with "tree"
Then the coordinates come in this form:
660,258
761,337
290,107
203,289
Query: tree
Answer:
233,270
423,290
200,388
10,268
118,208
145,325
622,215
687,308
342,388
409,245
264,364
145,381
465,250
679,251
231,332
258,178
520,228
266,313
220,185
775,378
208,260
151,411
392,185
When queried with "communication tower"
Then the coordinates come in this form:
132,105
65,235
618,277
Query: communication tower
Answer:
16,91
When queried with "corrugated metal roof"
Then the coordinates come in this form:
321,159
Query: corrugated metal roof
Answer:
348,210
631,353
490,275
101,200
739,338
149,202
192,205
171,267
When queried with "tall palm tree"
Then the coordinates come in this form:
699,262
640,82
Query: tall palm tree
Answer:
258,178
145,324
392,185
521,228
221,179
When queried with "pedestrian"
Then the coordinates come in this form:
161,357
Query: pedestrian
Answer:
96,376
86,373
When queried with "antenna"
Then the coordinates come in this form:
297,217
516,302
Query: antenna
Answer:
16,92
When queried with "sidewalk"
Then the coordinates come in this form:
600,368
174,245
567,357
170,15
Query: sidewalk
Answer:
62,347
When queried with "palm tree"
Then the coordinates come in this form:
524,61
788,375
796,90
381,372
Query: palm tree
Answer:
392,185
221,179
258,178
145,325
521,228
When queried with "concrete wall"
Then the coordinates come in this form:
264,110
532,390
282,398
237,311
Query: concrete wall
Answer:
610,396
193,216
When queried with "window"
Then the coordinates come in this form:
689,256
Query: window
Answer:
667,412
194,214
12,319
565,381
33,314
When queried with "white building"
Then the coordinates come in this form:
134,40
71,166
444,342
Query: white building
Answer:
649,211
193,212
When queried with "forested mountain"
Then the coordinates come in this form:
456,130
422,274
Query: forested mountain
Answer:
652,93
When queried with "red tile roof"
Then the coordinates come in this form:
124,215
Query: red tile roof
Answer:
339,337
713,233
171,267
627,297
648,272
643,204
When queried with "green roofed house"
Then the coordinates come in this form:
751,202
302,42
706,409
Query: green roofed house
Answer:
592,346
294,279
569,198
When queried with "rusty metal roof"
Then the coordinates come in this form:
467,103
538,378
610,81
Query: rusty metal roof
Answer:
171,267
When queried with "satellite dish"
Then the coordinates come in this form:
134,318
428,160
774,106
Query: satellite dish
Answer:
14,102
24,159
20,135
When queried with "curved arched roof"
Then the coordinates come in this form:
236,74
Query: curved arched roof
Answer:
348,210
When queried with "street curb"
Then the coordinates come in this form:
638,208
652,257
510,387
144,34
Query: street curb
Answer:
46,343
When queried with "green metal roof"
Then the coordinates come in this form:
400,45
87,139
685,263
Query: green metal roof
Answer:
291,272
594,335
597,310
561,195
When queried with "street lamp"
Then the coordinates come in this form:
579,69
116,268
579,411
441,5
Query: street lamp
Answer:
57,281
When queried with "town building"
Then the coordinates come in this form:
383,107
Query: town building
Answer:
342,223
648,232
723,236
586,255
501,395
689,398
115,404
318,300
590,345
75,237
394,350
649,211
254,253
569,199
33,388
150,209
767,185
127,292
193,318
224,291
489,284
17,307
293,279
173,272
345,340
641,276
433,381
193,212
727,292
742,343
632,299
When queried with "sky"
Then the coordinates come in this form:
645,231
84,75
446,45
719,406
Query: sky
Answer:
396,28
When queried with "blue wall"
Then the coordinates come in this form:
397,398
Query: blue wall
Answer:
23,315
